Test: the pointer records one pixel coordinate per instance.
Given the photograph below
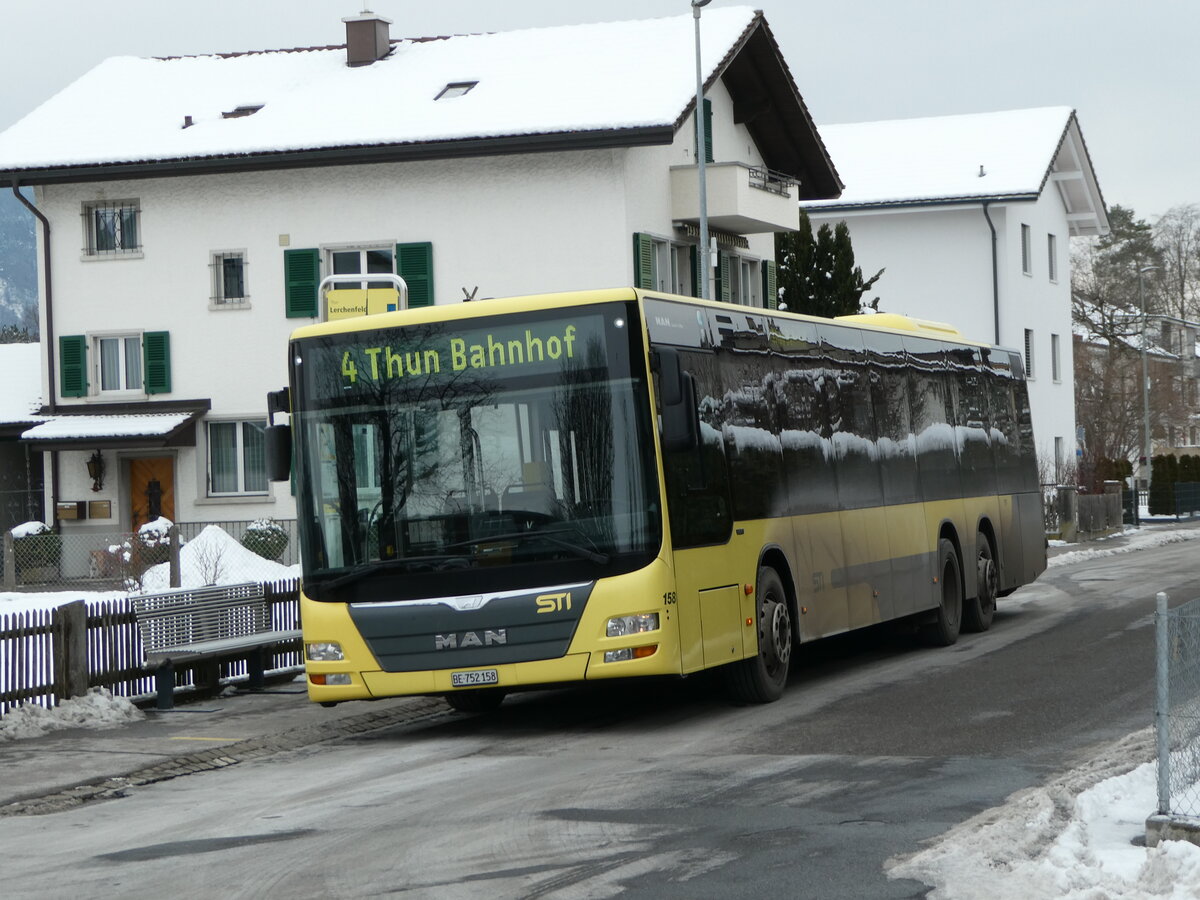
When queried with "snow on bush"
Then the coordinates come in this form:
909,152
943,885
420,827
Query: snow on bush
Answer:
215,557
28,529
266,537
98,708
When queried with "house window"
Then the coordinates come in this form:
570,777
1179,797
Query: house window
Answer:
1058,459
229,278
119,359
1028,353
1052,256
1026,250
111,228
1055,370
455,89
364,261
237,457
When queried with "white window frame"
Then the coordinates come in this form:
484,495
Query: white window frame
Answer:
1026,249
217,297
1052,257
124,340
125,246
1055,362
239,451
362,250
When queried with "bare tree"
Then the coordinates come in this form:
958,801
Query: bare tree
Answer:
1177,238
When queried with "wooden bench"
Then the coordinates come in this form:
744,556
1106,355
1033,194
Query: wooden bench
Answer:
189,625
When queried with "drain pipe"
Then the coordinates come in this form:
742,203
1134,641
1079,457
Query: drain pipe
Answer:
49,310
995,275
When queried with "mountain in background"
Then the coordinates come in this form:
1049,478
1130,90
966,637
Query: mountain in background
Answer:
18,266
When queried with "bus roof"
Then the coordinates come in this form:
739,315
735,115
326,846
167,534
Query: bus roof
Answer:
467,310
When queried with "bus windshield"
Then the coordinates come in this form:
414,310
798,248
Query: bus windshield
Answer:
511,444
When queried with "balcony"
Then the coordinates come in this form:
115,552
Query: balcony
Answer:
742,199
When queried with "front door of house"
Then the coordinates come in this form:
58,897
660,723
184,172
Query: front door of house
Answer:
151,489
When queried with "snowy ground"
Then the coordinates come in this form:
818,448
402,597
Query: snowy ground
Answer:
1074,838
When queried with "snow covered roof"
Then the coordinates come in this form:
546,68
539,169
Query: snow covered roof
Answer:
83,426
21,375
607,84
1009,155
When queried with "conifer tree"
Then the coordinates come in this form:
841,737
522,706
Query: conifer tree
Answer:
818,276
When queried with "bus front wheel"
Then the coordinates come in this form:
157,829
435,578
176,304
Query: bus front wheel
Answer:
942,630
763,678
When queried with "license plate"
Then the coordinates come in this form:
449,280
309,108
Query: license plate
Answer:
474,679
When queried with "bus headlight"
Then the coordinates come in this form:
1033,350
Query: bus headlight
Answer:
324,651
626,625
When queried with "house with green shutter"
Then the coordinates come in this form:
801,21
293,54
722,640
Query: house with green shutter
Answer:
185,228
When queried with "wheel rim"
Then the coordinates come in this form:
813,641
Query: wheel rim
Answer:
775,638
987,578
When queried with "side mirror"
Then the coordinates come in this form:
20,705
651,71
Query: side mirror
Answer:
680,409
279,452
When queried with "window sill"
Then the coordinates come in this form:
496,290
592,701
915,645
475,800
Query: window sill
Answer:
240,499
103,257
116,397
215,305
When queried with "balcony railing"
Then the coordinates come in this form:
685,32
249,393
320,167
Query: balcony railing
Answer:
769,180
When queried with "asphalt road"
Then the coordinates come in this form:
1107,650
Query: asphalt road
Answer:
659,790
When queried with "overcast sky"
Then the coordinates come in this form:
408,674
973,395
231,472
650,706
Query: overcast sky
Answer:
1129,69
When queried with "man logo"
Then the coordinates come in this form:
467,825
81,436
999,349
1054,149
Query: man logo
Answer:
466,639
551,603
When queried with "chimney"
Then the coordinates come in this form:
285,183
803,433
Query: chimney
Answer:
366,38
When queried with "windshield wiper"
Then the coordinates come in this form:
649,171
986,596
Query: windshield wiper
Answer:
362,570
550,537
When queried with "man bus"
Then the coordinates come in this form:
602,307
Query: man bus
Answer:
534,491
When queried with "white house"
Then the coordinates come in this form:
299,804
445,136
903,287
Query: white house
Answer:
184,224
971,217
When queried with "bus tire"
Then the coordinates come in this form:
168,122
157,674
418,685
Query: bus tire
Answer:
943,630
978,612
763,678
481,700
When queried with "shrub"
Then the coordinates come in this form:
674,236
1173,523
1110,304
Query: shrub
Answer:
267,538
36,546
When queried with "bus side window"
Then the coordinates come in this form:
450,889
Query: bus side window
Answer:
696,479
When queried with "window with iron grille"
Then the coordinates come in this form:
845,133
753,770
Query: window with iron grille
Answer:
111,228
229,278
1028,353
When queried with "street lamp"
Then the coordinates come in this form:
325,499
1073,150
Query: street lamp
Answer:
1145,373
700,157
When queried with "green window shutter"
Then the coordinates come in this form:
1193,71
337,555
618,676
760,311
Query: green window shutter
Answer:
643,261
301,278
156,357
724,274
708,143
770,285
694,252
72,365
414,263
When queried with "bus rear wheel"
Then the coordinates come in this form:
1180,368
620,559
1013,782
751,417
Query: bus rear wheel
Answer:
978,613
943,630
476,701
763,678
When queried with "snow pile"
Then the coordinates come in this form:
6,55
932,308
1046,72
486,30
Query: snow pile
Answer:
27,529
1071,839
98,708
214,557
1140,539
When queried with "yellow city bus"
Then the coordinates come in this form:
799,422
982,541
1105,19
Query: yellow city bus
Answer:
517,493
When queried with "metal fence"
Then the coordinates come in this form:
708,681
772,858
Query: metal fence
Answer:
48,655
1177,710
204,553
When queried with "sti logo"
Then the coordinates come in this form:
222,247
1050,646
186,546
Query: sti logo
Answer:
552,603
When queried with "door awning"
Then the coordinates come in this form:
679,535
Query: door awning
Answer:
117,426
